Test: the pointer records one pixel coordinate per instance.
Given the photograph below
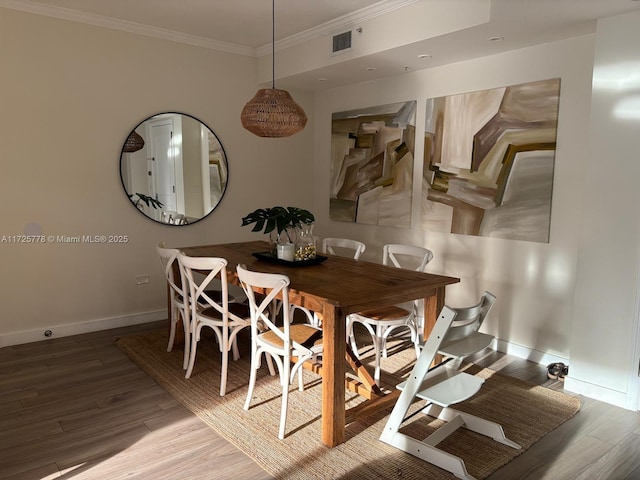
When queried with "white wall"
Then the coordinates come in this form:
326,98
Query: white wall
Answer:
604,362
70,94
534,282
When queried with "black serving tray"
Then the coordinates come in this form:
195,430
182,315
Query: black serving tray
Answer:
267,257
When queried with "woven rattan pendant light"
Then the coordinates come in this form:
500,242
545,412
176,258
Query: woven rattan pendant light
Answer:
273,112
134,142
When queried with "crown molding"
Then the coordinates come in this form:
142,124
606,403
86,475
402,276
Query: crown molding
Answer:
30,6
341,23
336,25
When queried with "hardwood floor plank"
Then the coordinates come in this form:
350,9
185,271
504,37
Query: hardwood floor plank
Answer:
118,411
101,417
44,376
621,462
21,416
86,443
12,395
149,394
32,432
98,388
172,415
44,472
565,463
9,408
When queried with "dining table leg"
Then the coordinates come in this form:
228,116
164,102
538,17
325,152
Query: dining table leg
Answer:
433,304
333,376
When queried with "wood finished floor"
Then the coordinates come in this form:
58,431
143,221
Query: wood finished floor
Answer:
76,407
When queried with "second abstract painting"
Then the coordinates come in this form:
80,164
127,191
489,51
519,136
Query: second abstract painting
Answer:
489,161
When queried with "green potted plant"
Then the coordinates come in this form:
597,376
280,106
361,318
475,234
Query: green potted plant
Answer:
280,223
148,201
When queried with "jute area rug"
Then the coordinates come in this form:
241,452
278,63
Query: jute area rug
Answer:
526,411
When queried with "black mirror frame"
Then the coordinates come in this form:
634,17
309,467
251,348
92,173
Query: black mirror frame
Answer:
149,200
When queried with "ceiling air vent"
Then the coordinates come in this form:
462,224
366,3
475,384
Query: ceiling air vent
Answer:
341,42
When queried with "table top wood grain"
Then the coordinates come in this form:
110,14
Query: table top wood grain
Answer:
351,285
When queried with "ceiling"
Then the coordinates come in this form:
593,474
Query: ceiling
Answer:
244,27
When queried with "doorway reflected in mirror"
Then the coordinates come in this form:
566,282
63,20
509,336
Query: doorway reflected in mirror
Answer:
179,176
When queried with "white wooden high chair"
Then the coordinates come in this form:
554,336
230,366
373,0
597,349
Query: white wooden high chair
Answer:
455,336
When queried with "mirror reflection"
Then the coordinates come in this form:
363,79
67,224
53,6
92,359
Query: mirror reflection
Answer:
173,168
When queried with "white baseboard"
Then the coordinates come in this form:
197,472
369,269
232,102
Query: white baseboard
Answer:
65,330
573,385
527,353
597,392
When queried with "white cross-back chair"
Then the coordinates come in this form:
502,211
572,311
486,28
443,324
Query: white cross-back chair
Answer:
178,298
382,322
454,335
226,319
178,295
343,246
334,246
289,345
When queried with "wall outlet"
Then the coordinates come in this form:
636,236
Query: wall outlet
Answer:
142,279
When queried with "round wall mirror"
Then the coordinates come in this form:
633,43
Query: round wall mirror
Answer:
173,168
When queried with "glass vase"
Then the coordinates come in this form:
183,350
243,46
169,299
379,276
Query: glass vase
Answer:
306,243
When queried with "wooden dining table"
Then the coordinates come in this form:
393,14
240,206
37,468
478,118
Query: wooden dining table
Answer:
336,288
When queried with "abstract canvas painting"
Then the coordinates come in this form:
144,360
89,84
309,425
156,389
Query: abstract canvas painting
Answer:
489,160
372,155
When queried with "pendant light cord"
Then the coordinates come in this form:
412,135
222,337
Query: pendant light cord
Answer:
273,44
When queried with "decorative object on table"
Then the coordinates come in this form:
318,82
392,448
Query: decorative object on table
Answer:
273,112
305,243
283,225
285,251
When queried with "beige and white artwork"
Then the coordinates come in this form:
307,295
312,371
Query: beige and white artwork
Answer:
489,160
372,154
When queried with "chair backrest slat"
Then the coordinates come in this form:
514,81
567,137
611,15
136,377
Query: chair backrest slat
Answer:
203,272
355,248
274,286
468,320
406,256
169,262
